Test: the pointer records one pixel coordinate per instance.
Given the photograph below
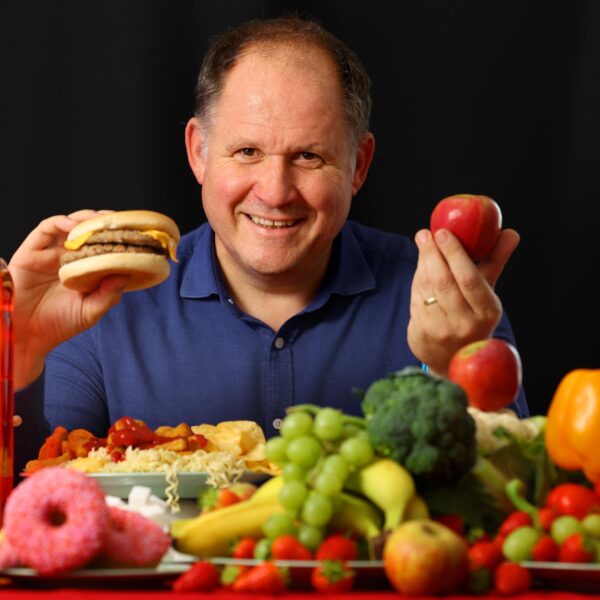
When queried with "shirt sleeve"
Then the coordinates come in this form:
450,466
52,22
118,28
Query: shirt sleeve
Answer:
504,331
75,395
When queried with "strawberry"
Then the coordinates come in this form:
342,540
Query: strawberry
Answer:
202,576
485,553
287,547
511,578
332,576
243,489
545,549
515,520
454,522
575,549
337,547
212,499
264,578
546,516
244,548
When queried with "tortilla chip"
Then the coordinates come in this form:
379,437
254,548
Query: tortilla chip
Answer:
241,438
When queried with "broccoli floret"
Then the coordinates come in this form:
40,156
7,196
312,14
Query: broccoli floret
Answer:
422,422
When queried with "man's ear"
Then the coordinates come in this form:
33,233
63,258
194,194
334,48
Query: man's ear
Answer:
364,156
194,143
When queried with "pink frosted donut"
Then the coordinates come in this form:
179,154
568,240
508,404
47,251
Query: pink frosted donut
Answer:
133,540
56,520
8,555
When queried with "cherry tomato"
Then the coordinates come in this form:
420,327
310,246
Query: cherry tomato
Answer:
572,499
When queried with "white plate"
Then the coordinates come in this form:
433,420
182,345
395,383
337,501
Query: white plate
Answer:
190,484
138,577
369,573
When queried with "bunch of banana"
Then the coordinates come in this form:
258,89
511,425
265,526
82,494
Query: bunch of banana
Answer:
211,533
378,497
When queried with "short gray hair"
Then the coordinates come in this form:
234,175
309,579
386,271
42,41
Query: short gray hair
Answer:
225,49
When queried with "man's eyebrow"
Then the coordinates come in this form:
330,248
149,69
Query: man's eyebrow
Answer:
240,143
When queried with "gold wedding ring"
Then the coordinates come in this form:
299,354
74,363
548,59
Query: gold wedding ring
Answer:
430,301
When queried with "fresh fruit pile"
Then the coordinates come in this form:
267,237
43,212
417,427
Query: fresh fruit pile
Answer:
318,450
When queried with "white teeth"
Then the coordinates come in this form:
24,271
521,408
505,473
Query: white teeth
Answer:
269,223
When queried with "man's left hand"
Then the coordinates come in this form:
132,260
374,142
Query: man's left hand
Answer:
453,301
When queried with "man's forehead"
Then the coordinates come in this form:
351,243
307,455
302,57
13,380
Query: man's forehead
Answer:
290,58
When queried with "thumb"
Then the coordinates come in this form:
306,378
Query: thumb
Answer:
101,300
493,264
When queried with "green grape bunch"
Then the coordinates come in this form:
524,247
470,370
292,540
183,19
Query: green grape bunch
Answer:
317,449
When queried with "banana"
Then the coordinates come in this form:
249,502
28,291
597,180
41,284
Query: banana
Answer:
388,485
210,534
268,489
357,515
416,509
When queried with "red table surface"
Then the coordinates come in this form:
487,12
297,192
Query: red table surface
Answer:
87,594
92,594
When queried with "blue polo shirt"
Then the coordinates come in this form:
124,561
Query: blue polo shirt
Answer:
184,352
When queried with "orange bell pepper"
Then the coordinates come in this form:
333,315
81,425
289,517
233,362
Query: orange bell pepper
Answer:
573,423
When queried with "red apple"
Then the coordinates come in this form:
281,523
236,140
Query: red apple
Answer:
489,371
425,557
475,220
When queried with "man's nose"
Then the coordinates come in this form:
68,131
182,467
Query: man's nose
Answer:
275,184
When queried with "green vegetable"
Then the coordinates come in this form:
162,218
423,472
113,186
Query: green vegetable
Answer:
422,422
478,497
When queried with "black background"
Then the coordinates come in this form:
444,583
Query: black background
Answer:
497,98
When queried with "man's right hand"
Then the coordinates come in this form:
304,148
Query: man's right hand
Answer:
45,312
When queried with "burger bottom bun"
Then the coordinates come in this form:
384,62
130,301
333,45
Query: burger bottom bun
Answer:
145,270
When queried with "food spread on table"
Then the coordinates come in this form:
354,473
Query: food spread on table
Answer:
439,495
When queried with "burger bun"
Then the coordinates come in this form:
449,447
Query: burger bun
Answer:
144,270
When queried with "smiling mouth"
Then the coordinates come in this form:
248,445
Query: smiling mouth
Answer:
272,224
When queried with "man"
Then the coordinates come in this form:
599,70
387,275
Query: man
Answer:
278,299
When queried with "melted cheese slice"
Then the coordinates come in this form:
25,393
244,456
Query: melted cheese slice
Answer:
165,240
79,241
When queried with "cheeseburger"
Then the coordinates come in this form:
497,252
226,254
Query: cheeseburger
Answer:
130,242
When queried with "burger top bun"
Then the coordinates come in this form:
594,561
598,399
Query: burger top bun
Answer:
139,220
144,268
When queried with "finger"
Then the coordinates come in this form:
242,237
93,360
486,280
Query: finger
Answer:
49,234
86,213
493,264
103,298
472,286
52,232
443,283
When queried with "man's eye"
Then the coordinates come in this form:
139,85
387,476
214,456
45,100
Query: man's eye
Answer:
309,158
249,152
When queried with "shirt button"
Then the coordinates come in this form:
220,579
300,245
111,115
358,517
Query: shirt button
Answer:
277,423
279,343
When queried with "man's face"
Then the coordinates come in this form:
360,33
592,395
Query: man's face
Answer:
278,169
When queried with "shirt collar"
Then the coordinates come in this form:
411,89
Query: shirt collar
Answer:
200,276
348,272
